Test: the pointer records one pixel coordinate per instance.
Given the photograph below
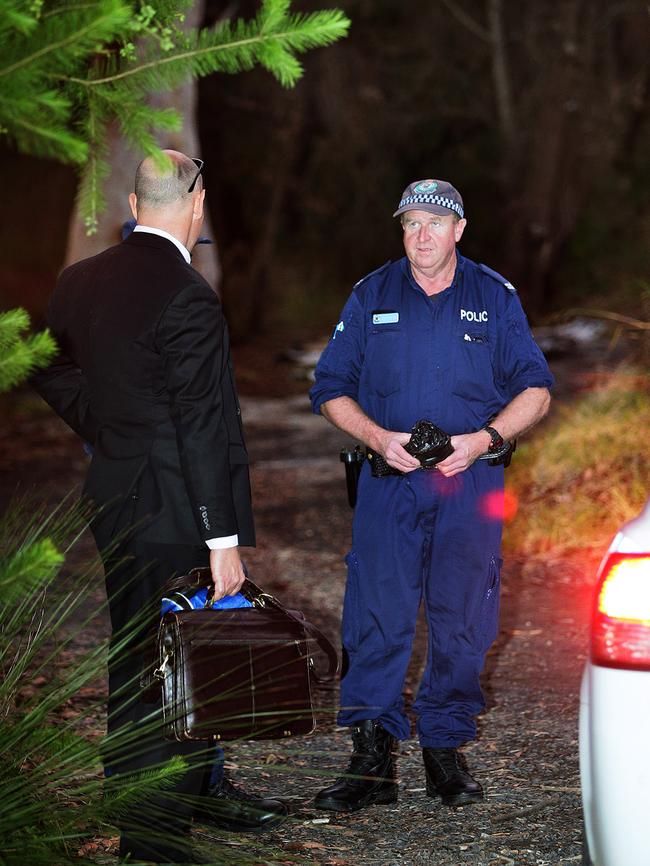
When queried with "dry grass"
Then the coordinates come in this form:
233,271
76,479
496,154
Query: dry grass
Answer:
585,473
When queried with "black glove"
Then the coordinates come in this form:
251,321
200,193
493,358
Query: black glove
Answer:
428,443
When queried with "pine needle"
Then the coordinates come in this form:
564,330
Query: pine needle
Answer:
65,74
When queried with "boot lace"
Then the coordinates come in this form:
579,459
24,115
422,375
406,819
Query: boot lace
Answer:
231,792
449,760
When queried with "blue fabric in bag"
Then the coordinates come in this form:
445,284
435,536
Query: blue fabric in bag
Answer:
184,601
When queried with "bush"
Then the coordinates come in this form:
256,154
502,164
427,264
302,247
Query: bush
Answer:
585,473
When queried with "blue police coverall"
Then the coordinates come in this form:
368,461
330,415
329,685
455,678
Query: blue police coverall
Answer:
456,358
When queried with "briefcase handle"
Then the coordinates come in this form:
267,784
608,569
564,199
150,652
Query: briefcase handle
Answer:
199,578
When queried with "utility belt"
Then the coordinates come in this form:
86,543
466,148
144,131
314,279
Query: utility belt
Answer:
428,442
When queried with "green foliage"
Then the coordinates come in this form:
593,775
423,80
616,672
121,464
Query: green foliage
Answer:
584,475
19,355
50,775
28,568
68,69
53,798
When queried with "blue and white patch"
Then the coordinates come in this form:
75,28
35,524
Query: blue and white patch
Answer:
385,317
412,201
426,186
338,329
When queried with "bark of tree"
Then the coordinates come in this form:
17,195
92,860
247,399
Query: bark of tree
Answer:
550,170
253,292
501,75
123,163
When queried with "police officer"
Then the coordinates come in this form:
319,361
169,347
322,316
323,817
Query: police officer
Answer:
436,336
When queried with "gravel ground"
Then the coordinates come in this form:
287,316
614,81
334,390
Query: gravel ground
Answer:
526,754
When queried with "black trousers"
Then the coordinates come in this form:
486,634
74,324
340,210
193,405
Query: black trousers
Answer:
155,827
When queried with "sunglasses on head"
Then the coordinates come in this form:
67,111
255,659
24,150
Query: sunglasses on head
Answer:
199,164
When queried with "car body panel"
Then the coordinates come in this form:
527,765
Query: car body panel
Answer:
615,765
615,746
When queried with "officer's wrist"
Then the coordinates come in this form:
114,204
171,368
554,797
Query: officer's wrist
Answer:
378,440
486,440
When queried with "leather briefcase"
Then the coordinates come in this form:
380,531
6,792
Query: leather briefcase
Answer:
238,673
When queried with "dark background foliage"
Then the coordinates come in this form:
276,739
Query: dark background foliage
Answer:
537,112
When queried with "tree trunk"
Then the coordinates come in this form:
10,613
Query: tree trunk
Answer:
543,210
123,163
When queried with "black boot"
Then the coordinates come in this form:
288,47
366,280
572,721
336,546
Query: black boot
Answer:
372,765
229,807
449,779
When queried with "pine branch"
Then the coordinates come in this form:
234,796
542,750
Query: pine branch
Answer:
20,355
64,46
18,16
19,361
28,569
90,195
227,49
19,21
272,15
45,139
67,8
137,121
66,75
134,787
13,323
279,60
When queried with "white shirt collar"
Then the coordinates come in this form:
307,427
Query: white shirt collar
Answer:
163,234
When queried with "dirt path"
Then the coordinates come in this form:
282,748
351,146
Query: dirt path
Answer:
526,754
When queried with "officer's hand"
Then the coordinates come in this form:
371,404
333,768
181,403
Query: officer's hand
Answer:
227,571
467,448
392,451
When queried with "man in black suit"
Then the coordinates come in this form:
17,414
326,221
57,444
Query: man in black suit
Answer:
144,374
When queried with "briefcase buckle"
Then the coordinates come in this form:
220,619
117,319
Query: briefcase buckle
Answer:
159,672
260,600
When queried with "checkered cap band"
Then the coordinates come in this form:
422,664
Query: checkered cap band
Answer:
428,198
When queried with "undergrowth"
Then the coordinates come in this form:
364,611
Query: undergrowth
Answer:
585,473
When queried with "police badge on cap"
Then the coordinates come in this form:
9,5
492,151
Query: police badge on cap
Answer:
434,196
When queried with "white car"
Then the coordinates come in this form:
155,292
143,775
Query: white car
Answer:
615,706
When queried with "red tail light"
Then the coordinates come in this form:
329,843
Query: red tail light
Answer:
620,634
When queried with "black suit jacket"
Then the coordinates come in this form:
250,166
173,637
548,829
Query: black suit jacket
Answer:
145,376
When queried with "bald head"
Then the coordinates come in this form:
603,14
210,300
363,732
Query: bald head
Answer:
161,199
158,188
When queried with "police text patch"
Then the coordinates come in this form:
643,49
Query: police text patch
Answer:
474,315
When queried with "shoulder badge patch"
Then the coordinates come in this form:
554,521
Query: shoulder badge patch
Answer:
498,277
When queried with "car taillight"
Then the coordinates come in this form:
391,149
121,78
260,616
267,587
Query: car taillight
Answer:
620,634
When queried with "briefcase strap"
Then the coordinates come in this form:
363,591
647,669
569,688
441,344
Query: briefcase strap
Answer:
257,595
198,578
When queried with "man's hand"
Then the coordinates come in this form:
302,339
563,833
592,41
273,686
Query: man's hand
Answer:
467,448
392,450
227,571
346,414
